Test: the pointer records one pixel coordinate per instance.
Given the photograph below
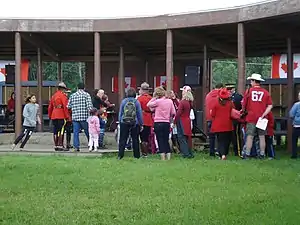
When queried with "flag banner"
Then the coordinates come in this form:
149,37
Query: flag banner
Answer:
24,69
162,81
129,82
279,66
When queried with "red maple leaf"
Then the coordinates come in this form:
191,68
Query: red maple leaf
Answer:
126,85
164,83
285,68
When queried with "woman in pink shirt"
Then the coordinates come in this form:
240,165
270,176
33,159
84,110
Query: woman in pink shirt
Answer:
164,112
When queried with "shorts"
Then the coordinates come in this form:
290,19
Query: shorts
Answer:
252,130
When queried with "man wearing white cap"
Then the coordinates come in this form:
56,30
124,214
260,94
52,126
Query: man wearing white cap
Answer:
257,103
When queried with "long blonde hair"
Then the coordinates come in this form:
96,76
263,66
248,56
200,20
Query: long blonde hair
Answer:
188,96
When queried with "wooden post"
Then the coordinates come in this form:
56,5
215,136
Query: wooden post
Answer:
18,94
169,60
241,59
121,78
204,85
97,62
290,86
40,86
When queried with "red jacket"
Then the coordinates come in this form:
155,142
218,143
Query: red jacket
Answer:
11,105
183,115
221,117
147,117
210,100
57,108
271,123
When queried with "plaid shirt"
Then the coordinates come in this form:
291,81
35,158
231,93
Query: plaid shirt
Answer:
81,104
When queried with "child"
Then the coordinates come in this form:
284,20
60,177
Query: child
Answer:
103,121
31,116
94,130
269,137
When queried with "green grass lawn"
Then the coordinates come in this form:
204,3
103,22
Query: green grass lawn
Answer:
75,190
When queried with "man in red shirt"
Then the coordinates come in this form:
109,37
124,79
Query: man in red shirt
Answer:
144,98
210,100
59,114
257,103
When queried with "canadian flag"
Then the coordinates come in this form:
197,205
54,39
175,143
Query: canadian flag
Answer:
24,69
279,66
129,82
162,81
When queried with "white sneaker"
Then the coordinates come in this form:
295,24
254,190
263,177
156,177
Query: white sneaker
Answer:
95,150
90,149
13,146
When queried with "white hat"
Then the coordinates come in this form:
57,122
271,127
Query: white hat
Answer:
186,88
255,76
62,85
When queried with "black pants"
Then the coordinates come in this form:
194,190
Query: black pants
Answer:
162,131
27,132
58,127
295,136
125,129
145,134
224,139
68,128
237,139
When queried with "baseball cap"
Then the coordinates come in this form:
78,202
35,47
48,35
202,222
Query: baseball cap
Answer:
186,88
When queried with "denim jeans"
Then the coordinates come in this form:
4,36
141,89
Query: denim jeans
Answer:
77,127
101,137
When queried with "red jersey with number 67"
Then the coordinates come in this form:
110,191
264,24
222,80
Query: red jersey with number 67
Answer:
255,102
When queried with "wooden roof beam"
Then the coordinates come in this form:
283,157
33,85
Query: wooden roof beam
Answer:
37,42
135,50
201,40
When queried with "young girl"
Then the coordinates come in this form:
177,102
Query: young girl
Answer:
94,129
31,116
103,121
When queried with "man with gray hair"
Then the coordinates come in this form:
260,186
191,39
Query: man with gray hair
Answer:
144,98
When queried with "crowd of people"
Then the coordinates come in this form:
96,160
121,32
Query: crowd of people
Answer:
161,123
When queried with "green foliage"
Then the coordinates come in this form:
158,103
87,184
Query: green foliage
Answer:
226,71
73,73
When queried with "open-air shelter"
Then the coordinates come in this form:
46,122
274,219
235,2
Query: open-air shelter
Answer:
149,46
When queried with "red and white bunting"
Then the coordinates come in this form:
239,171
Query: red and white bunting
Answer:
129,82
162,81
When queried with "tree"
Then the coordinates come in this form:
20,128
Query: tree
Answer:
226,71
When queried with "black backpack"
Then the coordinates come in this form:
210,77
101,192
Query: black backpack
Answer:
129,113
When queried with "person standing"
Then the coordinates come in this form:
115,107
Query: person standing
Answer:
210,100
164,112
59,114
257,103
31,117
295,116
237,137
221,121
94,130
184,126
144,98
81,104
131,122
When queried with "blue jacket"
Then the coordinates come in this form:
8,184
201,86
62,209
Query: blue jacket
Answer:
139,112
295,113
